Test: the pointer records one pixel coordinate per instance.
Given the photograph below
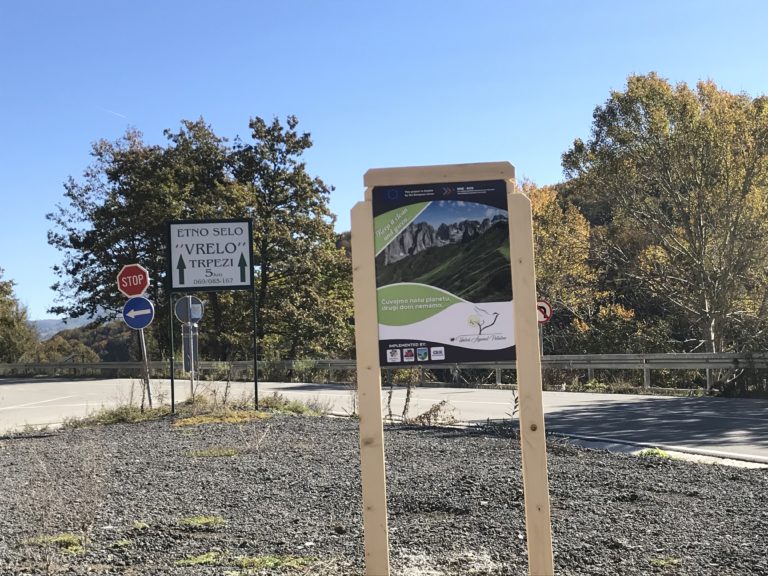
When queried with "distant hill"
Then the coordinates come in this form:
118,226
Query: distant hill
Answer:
111,341
49,328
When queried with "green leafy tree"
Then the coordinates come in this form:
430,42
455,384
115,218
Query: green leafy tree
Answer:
117,215
113,217
118,212
204,189
678,179
303,281
16,333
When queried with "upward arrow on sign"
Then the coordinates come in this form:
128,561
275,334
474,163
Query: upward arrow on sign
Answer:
181,267
242,264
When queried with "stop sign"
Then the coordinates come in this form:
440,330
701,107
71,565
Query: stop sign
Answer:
133,280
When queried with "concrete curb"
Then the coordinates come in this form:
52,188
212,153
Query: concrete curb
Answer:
682,452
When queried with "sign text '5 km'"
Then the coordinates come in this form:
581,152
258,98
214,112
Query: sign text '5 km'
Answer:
210,255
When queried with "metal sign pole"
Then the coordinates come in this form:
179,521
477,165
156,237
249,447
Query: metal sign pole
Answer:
146,365
170,325
191,349
255,355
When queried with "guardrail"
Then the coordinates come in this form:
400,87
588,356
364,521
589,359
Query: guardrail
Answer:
244,368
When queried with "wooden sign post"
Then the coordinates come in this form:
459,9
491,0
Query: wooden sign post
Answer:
444,315
372,470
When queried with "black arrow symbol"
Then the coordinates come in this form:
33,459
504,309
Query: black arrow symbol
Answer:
181,267
242,264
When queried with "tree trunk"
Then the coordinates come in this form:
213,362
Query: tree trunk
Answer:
220,348
261,299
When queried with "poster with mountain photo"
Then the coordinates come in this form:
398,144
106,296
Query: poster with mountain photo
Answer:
443,276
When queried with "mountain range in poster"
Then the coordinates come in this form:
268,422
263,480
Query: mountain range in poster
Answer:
468,258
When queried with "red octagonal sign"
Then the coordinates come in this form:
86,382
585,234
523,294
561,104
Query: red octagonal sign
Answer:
133,280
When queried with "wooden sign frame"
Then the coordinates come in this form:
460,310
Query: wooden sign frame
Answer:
532,433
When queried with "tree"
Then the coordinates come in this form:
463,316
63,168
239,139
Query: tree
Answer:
303,281
113,217
110,341
16,333
564,274
117,214
59,349
678,178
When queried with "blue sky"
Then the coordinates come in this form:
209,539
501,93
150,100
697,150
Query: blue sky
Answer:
378,84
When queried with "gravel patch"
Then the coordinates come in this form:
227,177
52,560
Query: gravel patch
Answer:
282,496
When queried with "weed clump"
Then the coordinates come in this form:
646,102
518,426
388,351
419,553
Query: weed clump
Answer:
272,562
208,559
278,403
221,417
201,522
654,453
439,414
199,410
125,414
214,453
65,542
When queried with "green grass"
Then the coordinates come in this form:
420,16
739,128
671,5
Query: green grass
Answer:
654,453
477,271
280,404
201,522
207,559
65,542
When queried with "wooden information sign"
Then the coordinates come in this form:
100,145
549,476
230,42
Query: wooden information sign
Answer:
443,272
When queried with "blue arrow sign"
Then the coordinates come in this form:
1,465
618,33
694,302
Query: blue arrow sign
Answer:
138,313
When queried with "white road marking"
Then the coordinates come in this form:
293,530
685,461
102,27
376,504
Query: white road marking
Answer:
36,403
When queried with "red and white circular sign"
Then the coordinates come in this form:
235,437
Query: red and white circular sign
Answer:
133,280
544,310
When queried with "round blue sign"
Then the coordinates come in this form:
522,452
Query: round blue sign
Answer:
138,313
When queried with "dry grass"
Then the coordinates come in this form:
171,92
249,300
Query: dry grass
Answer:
214,453
223,417
201,522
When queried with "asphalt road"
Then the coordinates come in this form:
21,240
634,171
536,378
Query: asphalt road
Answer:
716,426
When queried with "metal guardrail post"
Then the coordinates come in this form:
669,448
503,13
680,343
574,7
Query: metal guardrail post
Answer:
646,375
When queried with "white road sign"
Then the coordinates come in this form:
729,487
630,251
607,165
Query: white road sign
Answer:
210,255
